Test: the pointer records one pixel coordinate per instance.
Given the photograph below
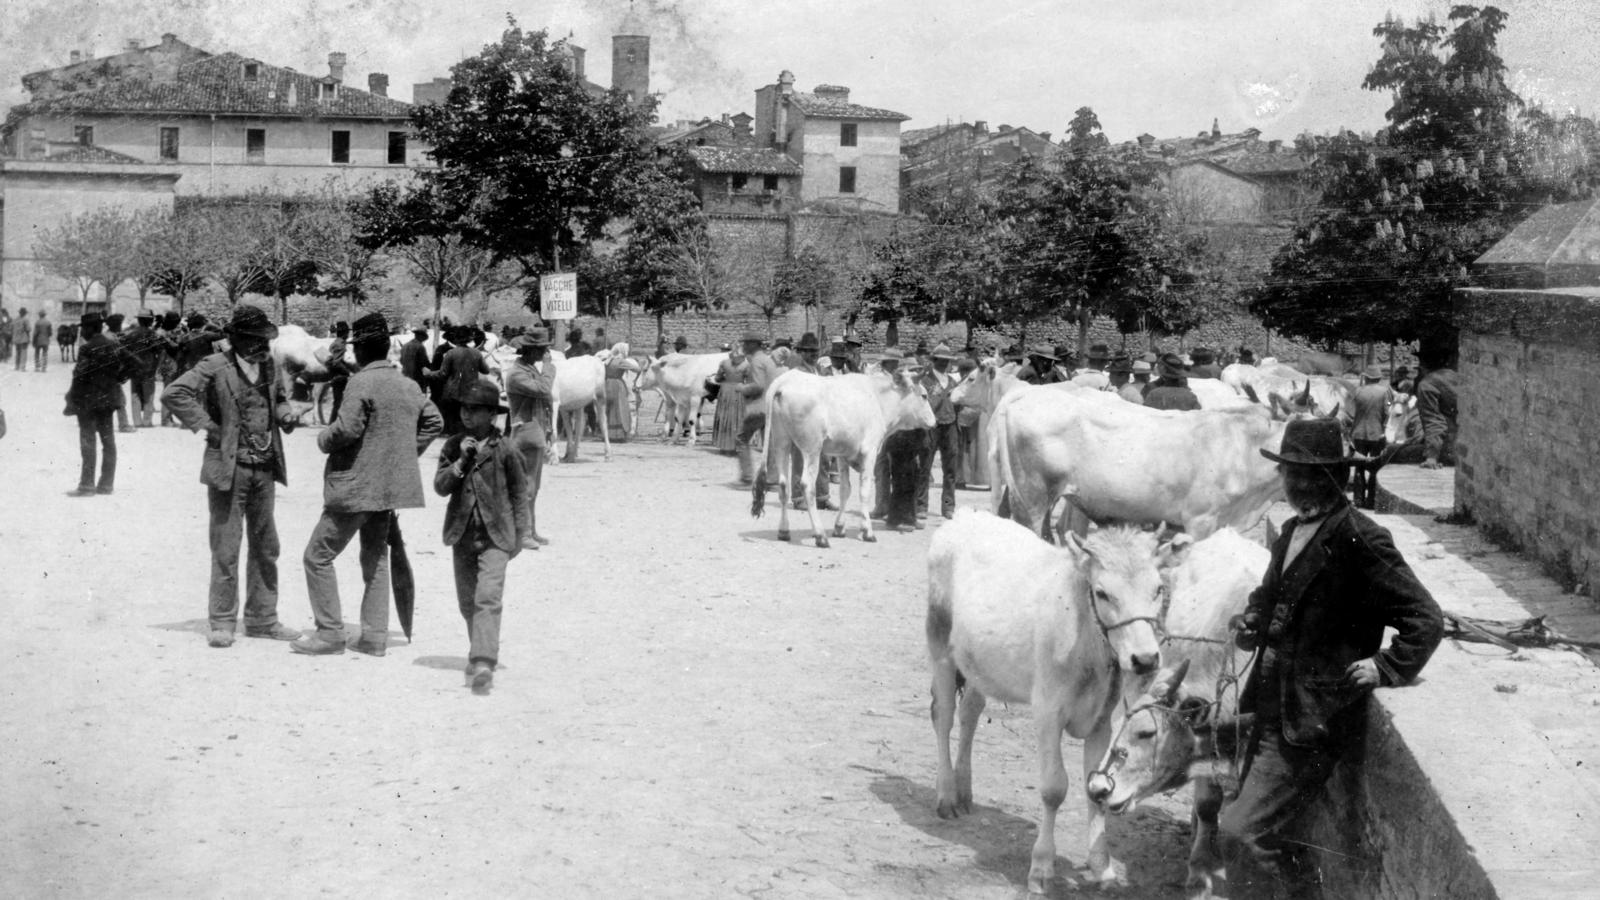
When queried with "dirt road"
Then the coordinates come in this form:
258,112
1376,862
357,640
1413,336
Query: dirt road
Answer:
685,707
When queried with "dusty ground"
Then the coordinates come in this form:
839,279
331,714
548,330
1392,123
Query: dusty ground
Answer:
685,706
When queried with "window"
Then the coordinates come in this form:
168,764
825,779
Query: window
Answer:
769,182
740,180
327,90
847,134
169,144
341,146
397,148
83,134
252,71
847,179
255,145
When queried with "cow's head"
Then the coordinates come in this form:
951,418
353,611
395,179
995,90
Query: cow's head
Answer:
1153,749
1123,591
650,378
904,402
1401,410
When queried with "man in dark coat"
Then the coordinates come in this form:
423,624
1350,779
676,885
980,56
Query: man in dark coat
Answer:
1436,406
1334,583
1041,367
197,342
143,342
530,386
42,332
460,370
414,357
899,463
95,394
1205,363
943,438
237,400
372,448
1170,390
21,334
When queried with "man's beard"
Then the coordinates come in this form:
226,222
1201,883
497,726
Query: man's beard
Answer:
1314,503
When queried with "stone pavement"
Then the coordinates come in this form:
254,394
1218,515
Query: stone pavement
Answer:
1510,742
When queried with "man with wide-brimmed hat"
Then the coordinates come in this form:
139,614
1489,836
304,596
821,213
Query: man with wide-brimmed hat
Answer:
898,467
1335,582
461,368
94,397
1205,363
143,342
199,340
1121,374
1364,414
1098,357
530,386
841,361
236,399
759,371
943,438
372,448
1041,367
414,357
1170,390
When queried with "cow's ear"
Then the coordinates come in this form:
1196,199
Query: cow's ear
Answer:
1172,553
1169,682
1076,545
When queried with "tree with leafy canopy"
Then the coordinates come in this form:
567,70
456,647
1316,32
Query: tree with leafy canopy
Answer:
99,246
183,253
667,262
895,286
530,165
419,225
346,268
1408,211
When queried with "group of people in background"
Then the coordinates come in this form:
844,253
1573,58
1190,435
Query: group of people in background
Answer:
19,334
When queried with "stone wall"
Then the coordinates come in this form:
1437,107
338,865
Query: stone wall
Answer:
1530,424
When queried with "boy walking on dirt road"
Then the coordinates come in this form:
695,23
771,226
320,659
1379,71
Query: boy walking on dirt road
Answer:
486,523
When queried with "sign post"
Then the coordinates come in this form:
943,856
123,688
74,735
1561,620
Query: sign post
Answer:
558,296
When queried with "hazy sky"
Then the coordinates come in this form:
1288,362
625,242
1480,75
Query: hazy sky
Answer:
1164,66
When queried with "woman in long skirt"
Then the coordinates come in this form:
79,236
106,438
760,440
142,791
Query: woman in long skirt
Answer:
619,412
730,403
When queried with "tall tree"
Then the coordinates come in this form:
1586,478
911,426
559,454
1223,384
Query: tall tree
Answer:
185,251
667,261
346,268
1408,211
420,226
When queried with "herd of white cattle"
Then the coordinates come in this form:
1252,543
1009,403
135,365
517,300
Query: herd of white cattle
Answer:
1110,630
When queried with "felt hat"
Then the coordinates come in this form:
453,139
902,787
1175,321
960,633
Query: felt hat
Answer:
1099,352
195,320
782,342
966,364
893,354
1203,355
484,394
854,342
251,320
922,349
680,342
171,319
420,330
1042,352
536,338
369,327
751,337
808,341
145,316
839,350
1120,366
1171,366
114,321
1151,357
943,351
1311,442
1372,373
1246,355
1140,367
342,329
91,320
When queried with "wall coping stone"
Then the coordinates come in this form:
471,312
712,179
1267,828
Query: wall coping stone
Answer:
1564,316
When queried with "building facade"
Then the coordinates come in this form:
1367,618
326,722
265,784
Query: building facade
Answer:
849,153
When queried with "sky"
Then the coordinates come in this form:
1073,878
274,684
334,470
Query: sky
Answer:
1167,67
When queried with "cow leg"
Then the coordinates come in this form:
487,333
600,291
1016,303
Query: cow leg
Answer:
844,495
942,711
572,420
601,414
972,704
778,457
1102,866
808,476
866,486
1205,864
1052,791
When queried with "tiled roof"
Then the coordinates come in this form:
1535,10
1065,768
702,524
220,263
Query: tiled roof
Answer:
744,160
834,108
1266,163
61,151
217,85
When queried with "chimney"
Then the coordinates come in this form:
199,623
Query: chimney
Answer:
1044,136
836,92
75,57
741,126
1216,133
1274,146
1004,128
133,43
378,84
724,119
435,91
336,61
980,126
1146,140
780,124
169,38
291,98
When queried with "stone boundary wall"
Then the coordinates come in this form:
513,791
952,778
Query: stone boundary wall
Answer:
1529,436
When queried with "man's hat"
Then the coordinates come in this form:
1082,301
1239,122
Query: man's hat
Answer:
1311,442
839,350
921,350
170,319
1099,352
482,393
782,342
854,342
535,338
1203,355
1372,373
751,337
808,341
966,364
1042,352
341,328
419,329
678,342
1171,366
196,320
1120,366
893,354
145,315
252,321
114,321
943,351
91,321
371,326
1140,367
1151,357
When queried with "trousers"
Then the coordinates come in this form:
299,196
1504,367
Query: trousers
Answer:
1256,831
328,539
144,399
41,357
244,512
902,461
945,440
480,569
22,356
91,424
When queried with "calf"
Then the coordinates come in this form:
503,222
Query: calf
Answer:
844,416
1069,630
1175,735
681,380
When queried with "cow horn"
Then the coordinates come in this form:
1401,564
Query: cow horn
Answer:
1305,396
1250,391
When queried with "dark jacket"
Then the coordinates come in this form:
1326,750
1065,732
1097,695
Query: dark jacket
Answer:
1436,406
103,363
944,412
414,360
203,399
42,332
1027,374
383,425
1165,395
460,372
1327,611
145,344
498,482
529,393
196,345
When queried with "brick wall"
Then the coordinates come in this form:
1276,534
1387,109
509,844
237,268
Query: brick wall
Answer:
1530,423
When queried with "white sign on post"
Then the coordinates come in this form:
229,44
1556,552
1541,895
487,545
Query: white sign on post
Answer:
558,296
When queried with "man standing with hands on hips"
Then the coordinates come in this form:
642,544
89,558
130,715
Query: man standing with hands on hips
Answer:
383,425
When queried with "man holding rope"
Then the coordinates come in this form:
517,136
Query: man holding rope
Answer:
1334,583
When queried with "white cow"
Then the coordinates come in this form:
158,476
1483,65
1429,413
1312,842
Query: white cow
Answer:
1322,395
298,355
680,378
843,416
580,382
1174,734
1069,631
1117,461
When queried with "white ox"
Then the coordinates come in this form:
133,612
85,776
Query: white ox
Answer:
1174,735
1069,631
1116,461
680,378
1319,395
296,354
580,382
844,416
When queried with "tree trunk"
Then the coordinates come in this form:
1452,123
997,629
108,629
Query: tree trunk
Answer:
438,309
891,335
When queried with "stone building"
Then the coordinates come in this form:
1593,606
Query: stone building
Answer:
963,154
848,153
